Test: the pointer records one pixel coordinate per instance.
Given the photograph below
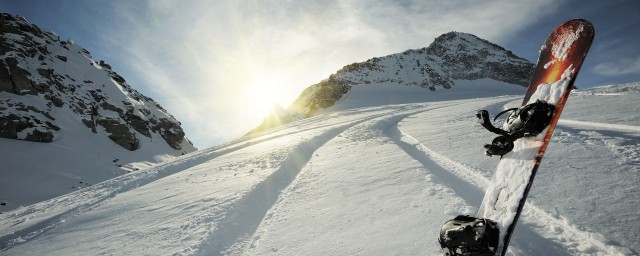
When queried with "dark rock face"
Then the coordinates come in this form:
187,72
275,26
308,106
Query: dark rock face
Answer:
42,78
119,133
321,95
35,124
468,57
452,56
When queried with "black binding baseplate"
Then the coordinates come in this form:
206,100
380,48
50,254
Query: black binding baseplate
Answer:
528,120
466,235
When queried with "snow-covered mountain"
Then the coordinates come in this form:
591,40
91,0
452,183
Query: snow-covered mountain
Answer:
452,56
58,105
377,180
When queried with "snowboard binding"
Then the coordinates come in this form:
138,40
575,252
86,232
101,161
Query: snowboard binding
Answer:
528,120
466,235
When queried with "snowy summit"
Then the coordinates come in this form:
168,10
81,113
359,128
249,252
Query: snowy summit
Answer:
400,78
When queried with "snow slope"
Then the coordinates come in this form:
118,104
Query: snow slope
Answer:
361,178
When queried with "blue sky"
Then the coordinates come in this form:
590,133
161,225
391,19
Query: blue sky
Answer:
219,66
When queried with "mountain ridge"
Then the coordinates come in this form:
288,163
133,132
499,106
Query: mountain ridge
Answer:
452,56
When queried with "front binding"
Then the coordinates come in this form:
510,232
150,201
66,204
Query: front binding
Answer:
466,235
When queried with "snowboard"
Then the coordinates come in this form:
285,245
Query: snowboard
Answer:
560,59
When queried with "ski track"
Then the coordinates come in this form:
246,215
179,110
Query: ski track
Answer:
535,222
537,227
599,126
68,206
463,180
373,128
248,213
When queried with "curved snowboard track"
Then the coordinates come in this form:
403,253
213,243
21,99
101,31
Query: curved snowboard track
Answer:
246,215
321,186
604,126
25,224
238,223
50,213
539,225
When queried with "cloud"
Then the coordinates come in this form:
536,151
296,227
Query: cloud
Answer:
623,66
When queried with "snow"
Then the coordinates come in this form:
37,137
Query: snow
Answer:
371,176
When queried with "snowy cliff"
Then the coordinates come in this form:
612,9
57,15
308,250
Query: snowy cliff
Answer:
58,106
44,79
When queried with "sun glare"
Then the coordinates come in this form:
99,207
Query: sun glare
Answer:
263,95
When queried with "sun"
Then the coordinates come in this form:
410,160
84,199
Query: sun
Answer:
264,94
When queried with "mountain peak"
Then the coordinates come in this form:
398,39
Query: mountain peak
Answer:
451,57
459,41
455,35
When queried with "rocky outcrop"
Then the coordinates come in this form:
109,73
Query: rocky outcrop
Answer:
119,133
32,124
43,79
452,56
321,95
467,57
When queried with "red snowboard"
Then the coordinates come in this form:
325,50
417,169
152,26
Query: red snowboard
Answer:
560,59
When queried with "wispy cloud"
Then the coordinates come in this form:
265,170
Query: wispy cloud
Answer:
622,66
199,57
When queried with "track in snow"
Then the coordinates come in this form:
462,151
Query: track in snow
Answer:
536,226
538,229
240,223
247,213
242,215
316,176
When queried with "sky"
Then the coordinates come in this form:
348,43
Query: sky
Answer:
220,66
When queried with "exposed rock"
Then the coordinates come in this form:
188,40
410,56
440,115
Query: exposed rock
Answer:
171,132
8,128
321,95
119,133
138,123
19,78
38,136
94,95
90,124
5,78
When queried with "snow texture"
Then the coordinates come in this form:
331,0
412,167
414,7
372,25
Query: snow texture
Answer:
362,179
